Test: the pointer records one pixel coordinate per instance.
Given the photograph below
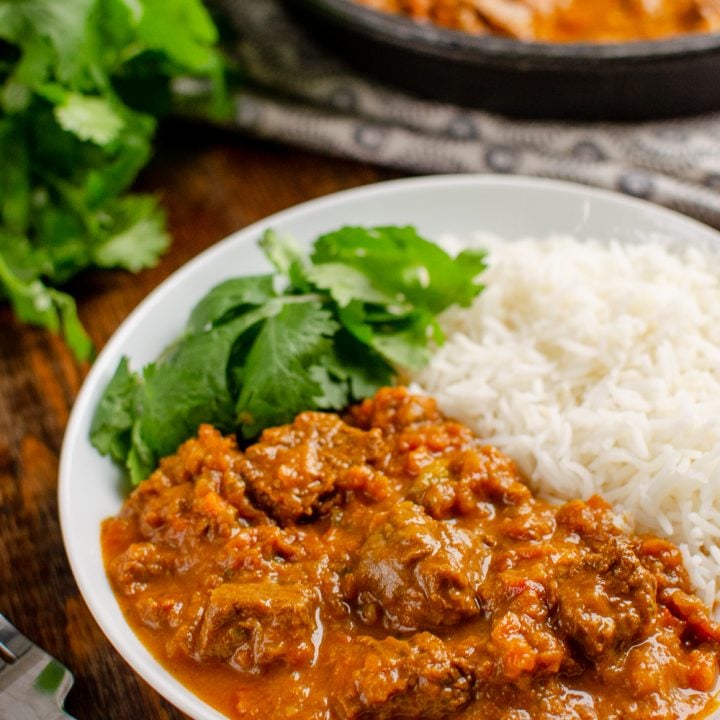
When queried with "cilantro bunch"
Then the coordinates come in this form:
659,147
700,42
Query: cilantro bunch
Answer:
318,333
81,82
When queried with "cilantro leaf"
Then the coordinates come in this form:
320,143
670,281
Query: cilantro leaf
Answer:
362,368
229,299
277,378
287,258
190,387
63,24
252,356
390,283
138,237
404,266
90,118
141,460
111,429
74,133
182,29
407,346
347,284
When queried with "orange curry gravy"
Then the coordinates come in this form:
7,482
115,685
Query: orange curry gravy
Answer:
564,20
390,565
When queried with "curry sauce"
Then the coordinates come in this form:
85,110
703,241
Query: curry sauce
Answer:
564,20
388,564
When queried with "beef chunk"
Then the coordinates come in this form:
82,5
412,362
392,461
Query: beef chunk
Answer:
133,569
256,624
197,491
468,483
516,643
395,678
609,601
664,560
414,572
521,643
293,467
394,409
591,519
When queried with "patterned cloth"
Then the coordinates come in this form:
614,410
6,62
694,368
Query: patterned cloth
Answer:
304,96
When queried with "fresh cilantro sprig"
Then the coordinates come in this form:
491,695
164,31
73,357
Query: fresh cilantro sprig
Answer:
81,82
361,306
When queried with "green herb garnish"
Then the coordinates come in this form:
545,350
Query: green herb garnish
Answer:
81,82
362,305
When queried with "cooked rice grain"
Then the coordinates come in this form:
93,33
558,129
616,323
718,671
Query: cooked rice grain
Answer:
597,367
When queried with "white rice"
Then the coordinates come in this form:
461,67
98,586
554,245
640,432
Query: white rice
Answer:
597,367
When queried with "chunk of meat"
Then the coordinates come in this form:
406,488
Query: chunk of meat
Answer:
520,644
588,519
294,467
609,601
664,560
142,562
652,667
657,666
255,624
414,572
198,490
160,611
415,678
413,427
469,484
393,409
521,647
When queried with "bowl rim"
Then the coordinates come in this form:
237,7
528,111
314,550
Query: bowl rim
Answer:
426,38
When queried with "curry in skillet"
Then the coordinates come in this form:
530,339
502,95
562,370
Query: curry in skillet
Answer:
564,20
389,565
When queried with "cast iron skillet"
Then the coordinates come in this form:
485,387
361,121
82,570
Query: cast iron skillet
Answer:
621,81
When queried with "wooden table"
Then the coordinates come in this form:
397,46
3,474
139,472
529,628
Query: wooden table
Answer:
211,184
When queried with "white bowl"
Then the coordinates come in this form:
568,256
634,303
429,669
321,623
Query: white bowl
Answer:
91,488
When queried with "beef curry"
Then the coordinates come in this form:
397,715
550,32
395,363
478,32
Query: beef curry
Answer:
564,20
388,564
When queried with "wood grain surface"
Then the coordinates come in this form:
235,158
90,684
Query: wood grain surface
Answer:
211,184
